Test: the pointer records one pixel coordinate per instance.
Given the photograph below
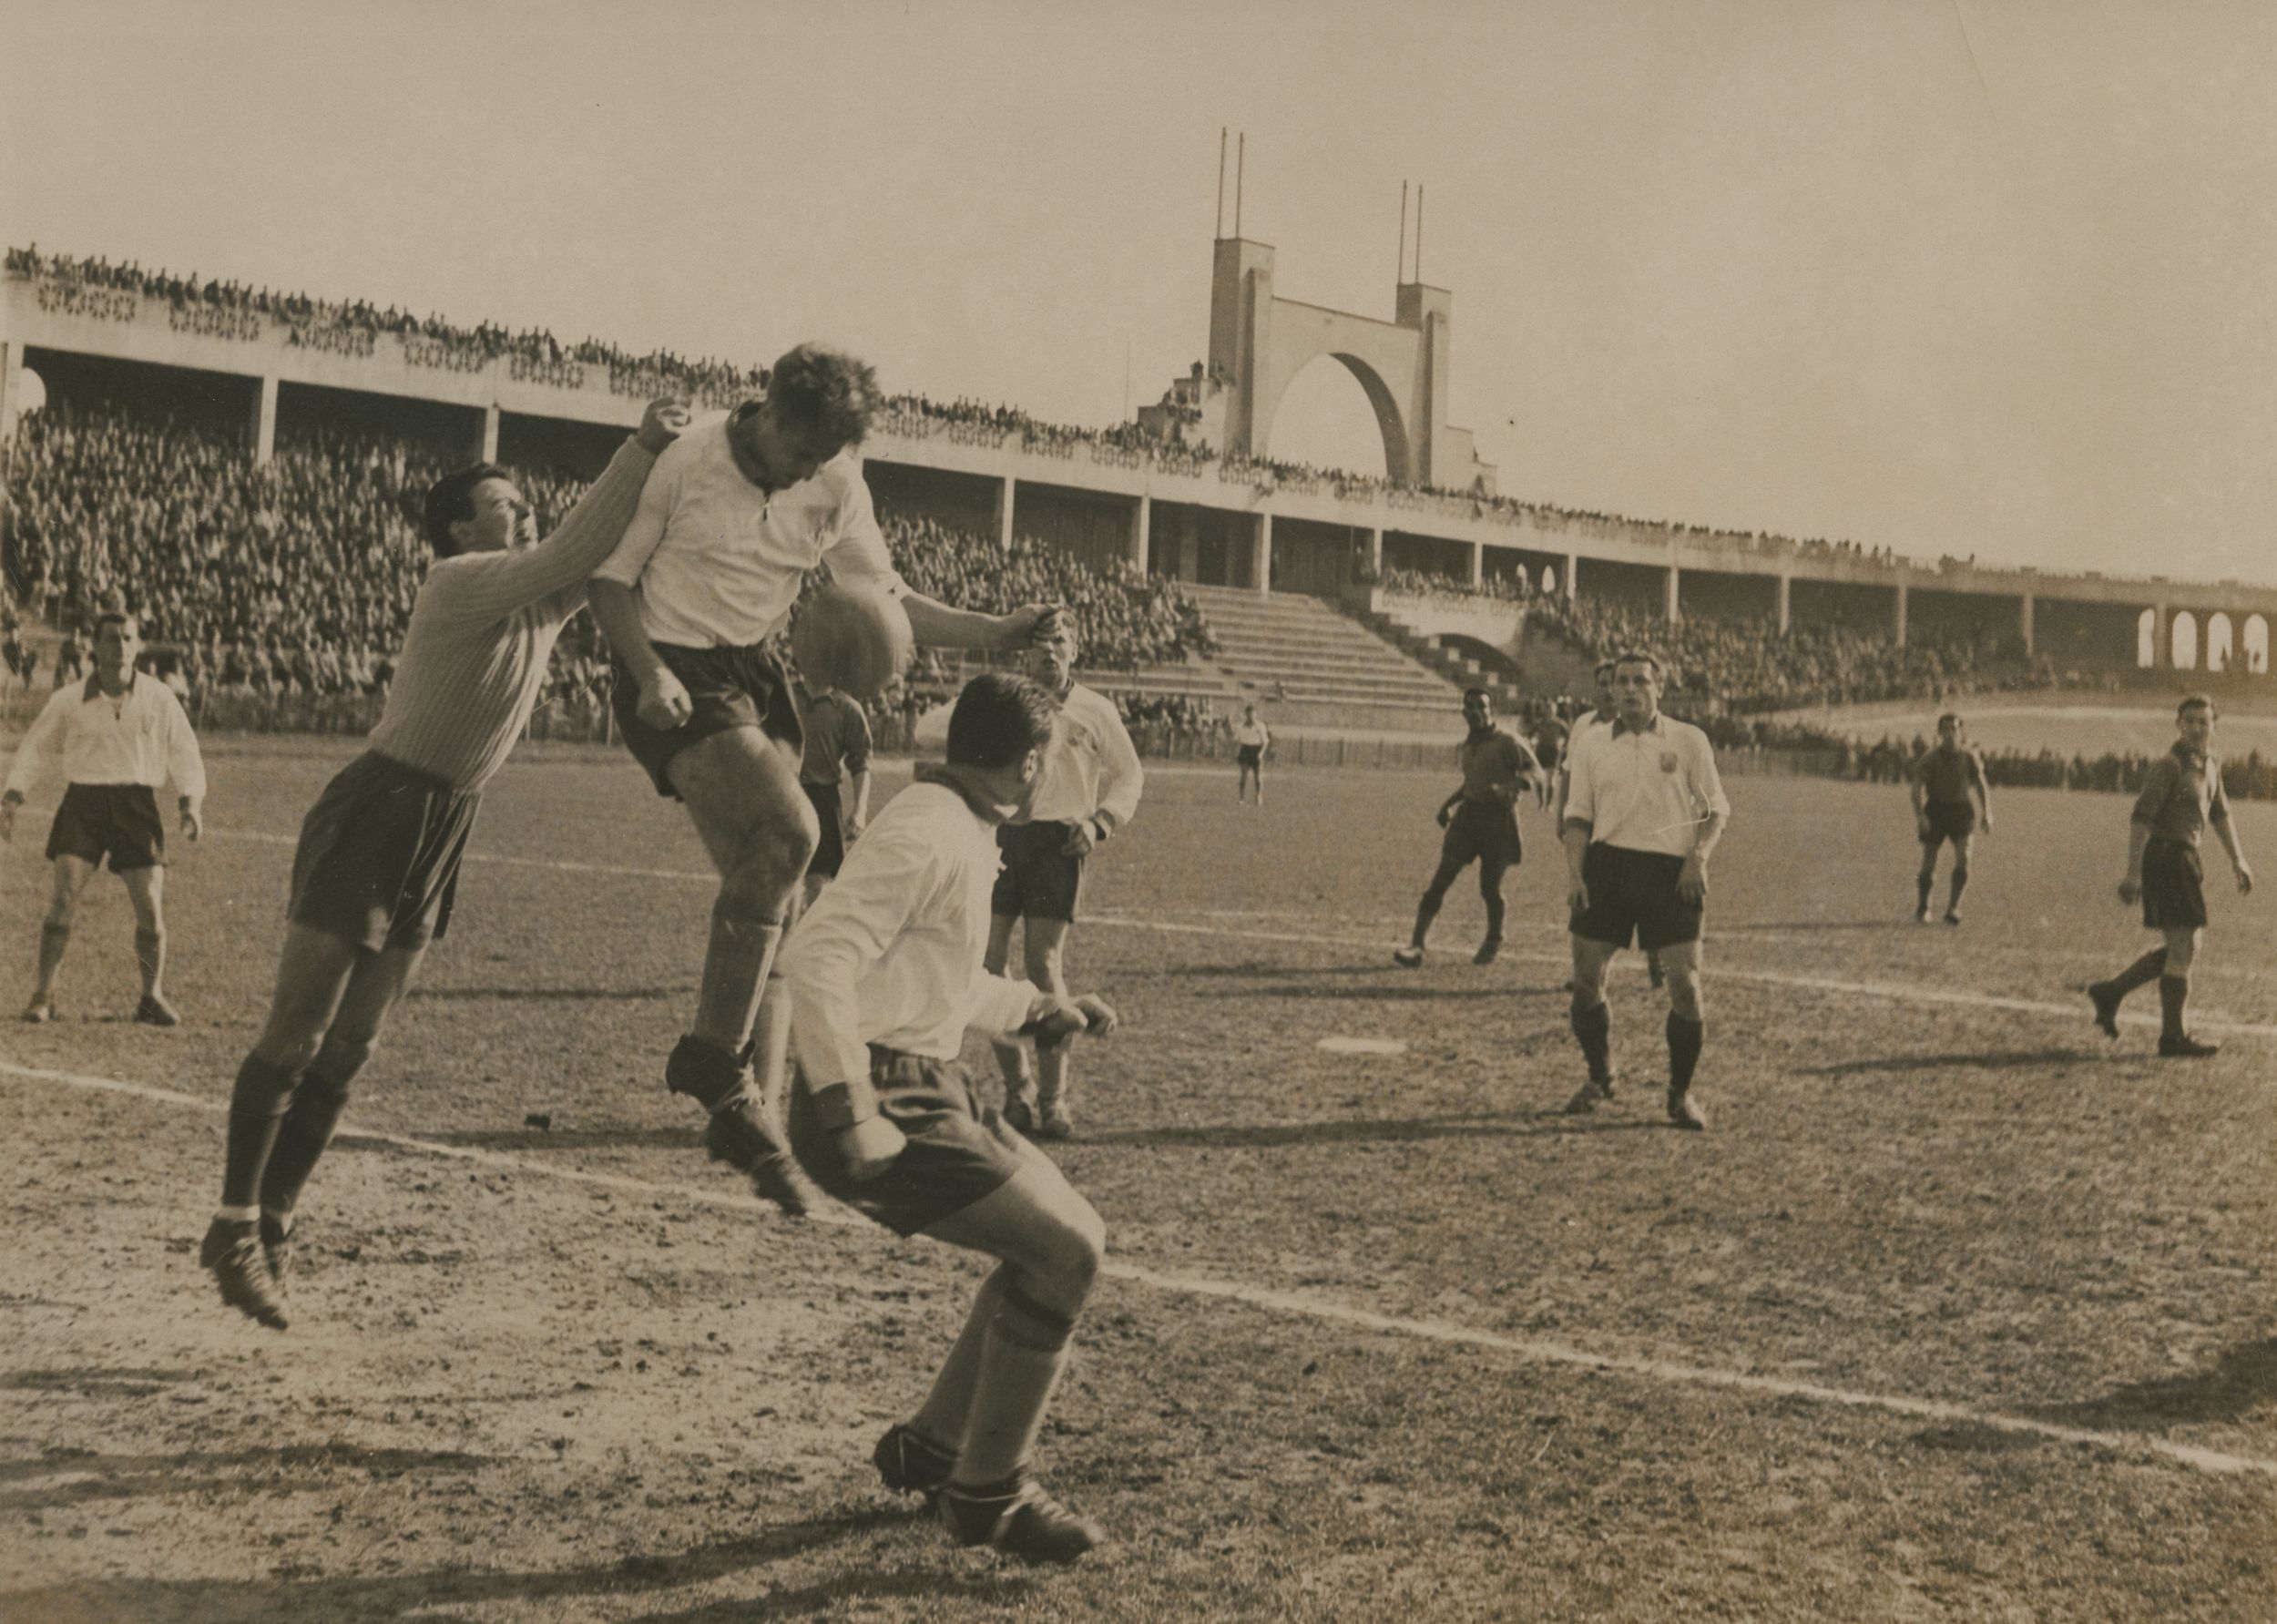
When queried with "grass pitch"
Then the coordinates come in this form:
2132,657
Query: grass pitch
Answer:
1957,1312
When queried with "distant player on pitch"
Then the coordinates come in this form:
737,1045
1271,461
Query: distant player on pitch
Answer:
885,976
376,870
735,515
116,738
1644,811
1481,822
1251,739
2181,797
1087,790
1948,791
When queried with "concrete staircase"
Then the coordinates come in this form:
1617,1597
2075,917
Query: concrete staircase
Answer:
1447,656
1306,664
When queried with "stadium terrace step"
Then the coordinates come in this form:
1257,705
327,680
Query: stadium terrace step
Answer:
1310,665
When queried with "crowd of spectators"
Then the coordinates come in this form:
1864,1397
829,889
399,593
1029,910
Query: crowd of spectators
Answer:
291,581
232,309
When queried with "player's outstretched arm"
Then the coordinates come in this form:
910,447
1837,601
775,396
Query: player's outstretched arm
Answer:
491,585
41,741
936,625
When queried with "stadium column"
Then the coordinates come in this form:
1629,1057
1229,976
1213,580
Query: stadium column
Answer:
2162,637
1262,555
1004,496
487,450
1140,516
1478,564
11,391
1669,610
1786,603
2023,622
1573,575
1375,552
1897,613
262,429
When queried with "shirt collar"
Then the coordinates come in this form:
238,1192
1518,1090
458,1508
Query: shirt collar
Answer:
94,689
950,779
2182,753
1621,727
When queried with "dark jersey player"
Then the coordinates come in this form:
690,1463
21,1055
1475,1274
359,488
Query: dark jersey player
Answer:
1949,791
377,869
2181,797
1481,822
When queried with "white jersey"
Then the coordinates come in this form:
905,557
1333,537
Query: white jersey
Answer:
716,562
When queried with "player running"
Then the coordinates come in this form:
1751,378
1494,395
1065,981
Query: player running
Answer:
2181,797
1087,790
377,869
885,976
116,738
1948,788
1481,822
734,516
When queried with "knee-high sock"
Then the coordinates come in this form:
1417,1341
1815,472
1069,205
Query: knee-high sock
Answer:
257,1108
1685,1037
1492,896
1922,884
2141,972
302,1138
943,1415
1960,883
1426,910
736,960
2174,996
1021,1362
150,959
53,939
1593,1029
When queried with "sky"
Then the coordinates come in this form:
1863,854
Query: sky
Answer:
1946,276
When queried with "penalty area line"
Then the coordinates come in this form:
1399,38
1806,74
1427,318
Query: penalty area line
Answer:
1311,1306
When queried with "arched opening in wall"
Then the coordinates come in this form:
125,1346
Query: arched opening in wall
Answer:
1325,419
2218,641
1549,580
2254,650
2145,639
2185,641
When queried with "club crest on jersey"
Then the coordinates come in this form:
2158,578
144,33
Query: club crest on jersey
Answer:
1668,760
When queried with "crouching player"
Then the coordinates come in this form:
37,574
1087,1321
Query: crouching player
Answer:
885,978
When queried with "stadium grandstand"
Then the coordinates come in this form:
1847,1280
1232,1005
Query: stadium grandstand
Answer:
244,467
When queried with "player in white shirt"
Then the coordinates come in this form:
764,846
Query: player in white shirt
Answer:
116,738
1643,813
886,977
733,515
1251,739
1088,790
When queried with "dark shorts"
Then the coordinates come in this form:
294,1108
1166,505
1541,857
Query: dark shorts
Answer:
728,687
2173,887
1947,821
1545,751
959,1149
1252,756
1040,878
830,850
1482,831
377,860
119,822
1632,895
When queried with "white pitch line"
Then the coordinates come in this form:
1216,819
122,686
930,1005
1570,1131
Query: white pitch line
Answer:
1307,1305
1901,992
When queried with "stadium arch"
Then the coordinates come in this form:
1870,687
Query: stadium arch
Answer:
2220,641
2185,640
2254,646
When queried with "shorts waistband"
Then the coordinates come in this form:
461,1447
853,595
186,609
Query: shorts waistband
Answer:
418,775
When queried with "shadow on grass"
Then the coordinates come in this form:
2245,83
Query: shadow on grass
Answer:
1906,922
286,1470
1268,1136
1414,992
1978,1060
565,994
570,1139
2243,1379
541,1592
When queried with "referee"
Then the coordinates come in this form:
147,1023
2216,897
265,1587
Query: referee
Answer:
117,737
1644,809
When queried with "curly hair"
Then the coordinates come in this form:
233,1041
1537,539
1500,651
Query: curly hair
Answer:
825,393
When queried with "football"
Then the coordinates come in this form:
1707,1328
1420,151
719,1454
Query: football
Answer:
852,638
